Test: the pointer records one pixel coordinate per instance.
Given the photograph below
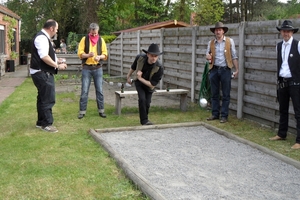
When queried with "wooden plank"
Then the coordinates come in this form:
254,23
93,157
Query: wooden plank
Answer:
261,66
260,78
260,103
261,42
261,54
259,89
157,92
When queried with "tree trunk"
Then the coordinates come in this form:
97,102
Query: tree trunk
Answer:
230,11
243,10
181,10
167,7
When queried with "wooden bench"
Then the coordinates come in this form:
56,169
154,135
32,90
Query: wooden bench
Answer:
182,92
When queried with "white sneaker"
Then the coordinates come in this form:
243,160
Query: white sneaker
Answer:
37,126
50,129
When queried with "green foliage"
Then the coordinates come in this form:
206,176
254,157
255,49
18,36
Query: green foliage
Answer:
293,9
10,32
13,55
149,11
117,15
114,15
209,12
72,42
10,35
181,10
108,38
25,44
278,12
261,11
108,15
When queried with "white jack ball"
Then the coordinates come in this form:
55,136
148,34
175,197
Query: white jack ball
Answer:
203,102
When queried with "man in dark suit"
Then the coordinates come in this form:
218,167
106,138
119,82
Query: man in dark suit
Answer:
288,79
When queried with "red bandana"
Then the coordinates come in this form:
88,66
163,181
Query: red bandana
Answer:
94,39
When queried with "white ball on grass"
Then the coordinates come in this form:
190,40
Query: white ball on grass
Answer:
203,102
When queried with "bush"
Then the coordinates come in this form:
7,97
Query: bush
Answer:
109,38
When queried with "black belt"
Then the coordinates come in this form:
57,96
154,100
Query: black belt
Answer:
218,67
286,82
91,67
282,79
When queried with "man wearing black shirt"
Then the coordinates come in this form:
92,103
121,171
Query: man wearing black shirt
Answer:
288,79
148,73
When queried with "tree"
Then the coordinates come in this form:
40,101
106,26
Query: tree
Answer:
148,12
209,12
256,10
293,9
182,10
115,15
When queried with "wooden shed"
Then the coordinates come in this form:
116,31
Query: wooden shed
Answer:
157,25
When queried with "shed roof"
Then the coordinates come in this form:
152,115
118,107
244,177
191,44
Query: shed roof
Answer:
4,10
157,25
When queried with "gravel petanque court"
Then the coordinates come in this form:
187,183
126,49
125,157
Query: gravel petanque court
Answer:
194,161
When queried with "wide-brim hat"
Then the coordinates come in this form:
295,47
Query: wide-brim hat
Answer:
219,25
287,26
153,49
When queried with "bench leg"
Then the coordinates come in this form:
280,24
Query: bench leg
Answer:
118,105
183,102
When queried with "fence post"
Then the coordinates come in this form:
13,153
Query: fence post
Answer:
193,61
161,44
138,45
241,61
121,49
108,60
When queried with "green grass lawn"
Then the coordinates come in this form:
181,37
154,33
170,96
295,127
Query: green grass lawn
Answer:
69,164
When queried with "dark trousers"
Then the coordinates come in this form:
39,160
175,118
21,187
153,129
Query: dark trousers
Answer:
220,78
284,96
144,96
44,83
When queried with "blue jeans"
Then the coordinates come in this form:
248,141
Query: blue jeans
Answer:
220,78
87,75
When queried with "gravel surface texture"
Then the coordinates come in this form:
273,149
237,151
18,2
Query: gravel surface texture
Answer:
194,163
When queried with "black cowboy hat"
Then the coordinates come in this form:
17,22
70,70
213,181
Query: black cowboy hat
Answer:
153,49
287,26
219,25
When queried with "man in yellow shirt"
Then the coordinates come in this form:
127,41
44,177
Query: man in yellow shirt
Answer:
91,50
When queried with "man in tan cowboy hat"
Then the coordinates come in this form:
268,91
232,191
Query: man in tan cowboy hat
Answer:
222,53
288,79
149,72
